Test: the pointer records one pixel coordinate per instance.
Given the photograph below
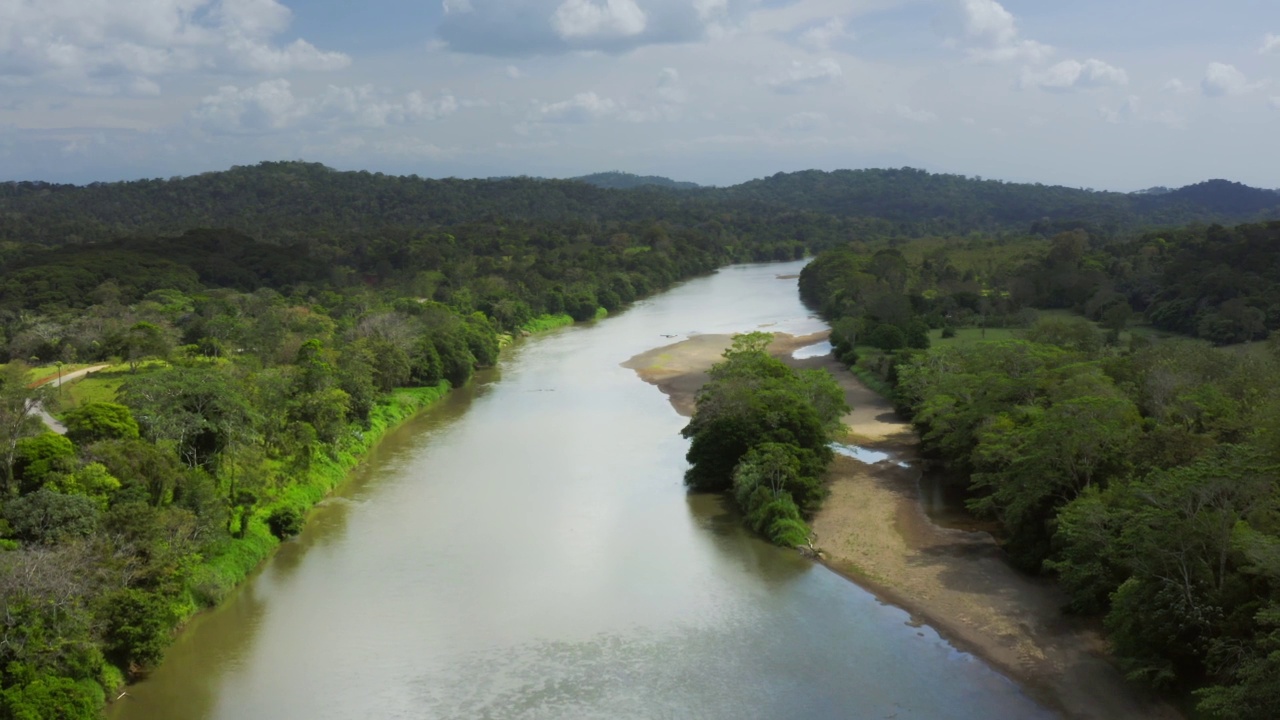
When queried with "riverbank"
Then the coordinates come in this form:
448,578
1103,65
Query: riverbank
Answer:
236,558
873,530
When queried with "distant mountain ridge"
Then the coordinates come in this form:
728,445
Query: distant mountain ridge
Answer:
908,195
289,202
617,180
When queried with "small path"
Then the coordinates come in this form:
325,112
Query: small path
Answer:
50,420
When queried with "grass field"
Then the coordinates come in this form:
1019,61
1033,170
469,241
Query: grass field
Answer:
101,386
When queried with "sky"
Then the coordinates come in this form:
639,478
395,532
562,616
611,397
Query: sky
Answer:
1103,94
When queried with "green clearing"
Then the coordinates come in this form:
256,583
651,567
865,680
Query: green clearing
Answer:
545,323
101,386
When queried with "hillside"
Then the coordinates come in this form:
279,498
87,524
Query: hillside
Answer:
629,181
961,204
295,202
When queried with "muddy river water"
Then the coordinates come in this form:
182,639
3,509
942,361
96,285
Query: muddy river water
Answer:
525,549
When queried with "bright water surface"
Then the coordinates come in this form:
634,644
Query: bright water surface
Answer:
526,550
813,351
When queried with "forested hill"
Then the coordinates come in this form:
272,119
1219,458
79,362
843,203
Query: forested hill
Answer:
627,181
284,201
922,200
291,202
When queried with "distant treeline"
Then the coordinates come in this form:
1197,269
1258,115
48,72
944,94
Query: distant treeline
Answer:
293,202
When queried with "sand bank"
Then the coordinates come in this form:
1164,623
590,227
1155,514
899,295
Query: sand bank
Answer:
873,530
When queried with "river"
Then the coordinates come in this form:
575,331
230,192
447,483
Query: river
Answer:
525,549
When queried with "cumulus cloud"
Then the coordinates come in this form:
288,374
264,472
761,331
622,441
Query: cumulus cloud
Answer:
803,75
591,107
821,37
589,18
1175,85
1127,111
1270,44
272,105
1221,79
92,43
581,108
990,33
544,27
1072,74
1275,102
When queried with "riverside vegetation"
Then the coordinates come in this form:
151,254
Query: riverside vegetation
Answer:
267,324
761,434
250,379
1140,471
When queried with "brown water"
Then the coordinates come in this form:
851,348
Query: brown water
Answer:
526,550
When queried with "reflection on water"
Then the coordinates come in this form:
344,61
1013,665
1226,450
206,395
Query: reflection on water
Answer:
527,549
866,455
812,351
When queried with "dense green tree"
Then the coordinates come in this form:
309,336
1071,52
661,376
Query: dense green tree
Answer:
42,458
761,432
17,416
47,517
96,421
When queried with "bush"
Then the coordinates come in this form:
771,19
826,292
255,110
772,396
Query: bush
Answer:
285,522
47,697
100,421
137,630
887,337
46,516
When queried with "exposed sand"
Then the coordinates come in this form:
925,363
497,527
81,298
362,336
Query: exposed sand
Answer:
873,530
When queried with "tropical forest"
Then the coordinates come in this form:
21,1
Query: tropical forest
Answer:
192,367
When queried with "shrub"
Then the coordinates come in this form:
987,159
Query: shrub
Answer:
285,522
100,421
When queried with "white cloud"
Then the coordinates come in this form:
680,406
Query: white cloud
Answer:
1270,44
271,105
916,116
542,27
820,37
1072,74
802,75
124,46
1222,79
298,55
1126,112
514,72
1275,102
1175,85
991,33
591,18
581,108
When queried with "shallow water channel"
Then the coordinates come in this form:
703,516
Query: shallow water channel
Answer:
526,550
